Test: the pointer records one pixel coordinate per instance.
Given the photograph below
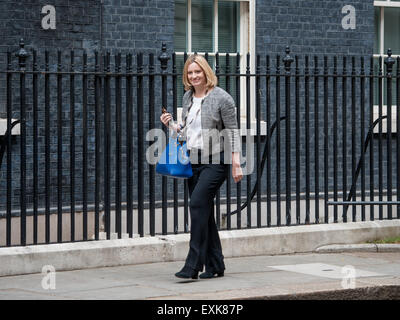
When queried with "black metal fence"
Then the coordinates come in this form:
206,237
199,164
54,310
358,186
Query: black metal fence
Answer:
77,168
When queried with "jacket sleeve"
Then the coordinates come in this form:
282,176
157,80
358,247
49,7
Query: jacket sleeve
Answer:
228,115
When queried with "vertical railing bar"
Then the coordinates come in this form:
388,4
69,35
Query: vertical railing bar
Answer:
371,144
268,111
218,193
287,62
84,149
335,141
47,148
326,140
107,132
186,207
175,111
163,58
140,144
362,135
344,137
307,136
248,127
151,126
298,169
9,153
389,61
22,55
129,142
35,148
118,133
72,146
238,115
59,148
228,180
129,147
258,146
186,188
398,136
316,136
353,133
278,144
97,102
380,152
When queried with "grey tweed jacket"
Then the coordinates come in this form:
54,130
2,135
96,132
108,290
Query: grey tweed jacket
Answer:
218,121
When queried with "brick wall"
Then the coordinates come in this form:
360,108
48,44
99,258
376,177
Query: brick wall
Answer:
138,25
308,27
127,26
77,24
313,27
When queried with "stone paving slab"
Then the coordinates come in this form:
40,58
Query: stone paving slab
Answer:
256,277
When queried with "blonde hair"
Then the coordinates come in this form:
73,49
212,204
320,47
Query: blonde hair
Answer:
212,80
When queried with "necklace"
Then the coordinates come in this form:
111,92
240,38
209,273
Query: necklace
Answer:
198,111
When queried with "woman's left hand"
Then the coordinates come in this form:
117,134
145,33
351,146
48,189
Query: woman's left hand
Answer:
237,173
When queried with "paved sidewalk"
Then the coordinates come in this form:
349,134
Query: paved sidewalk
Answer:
337,275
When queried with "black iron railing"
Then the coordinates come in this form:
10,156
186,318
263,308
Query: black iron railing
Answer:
78,170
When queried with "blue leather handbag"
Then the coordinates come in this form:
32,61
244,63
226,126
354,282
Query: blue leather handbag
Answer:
174,161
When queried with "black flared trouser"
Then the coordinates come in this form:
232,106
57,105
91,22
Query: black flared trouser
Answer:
205,245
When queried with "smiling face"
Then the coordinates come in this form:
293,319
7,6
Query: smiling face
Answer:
196,76
197,73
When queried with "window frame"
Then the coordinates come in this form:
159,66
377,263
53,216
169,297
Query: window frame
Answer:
247,44
247,34
381,46
382,5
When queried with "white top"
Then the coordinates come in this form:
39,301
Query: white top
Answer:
194,139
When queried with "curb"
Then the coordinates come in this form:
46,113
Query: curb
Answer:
365,247
235,243
379,292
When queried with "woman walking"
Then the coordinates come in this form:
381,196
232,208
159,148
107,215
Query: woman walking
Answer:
208,114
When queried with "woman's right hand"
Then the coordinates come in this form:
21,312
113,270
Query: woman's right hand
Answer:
166,118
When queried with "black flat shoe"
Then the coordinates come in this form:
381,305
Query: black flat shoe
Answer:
209,274
187,273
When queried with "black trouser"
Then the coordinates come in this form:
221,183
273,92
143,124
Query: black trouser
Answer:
205,245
